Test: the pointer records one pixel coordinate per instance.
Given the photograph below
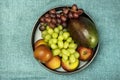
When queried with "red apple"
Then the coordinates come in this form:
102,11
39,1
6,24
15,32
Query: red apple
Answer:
66,65
85,53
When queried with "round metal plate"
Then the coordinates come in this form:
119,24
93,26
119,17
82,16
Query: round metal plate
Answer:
36,34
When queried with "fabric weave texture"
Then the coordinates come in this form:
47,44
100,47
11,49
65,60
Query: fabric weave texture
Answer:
17,19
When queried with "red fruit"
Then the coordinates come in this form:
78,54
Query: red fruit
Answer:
75,15
53,11
65,10
48,19
74,7
85,53
70,15
80,11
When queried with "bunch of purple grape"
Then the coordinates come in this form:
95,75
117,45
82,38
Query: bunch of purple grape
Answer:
54,18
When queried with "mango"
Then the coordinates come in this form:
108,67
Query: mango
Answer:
83,31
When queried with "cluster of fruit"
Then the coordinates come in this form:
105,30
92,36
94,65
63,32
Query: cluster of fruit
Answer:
68,38
57,49
54,18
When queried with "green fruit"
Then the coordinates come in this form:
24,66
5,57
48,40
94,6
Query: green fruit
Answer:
66,35
47,37
60,27
66,44
65,57
69,39
55,35
72,59
65,52
73,45
60,37
61,32
47,27
76,54
50,42
54,40
60,44
44,33
56,30
56,52
50,31
83,31
54,46
71,50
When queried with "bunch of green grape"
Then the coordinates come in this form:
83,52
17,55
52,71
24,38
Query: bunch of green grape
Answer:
61,43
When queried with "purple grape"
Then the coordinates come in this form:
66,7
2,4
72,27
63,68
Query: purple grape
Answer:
80,11
53,21
58,20
75,15
47,15
74,7
48,19
42,19
64,24
42,28
52,25
58,15
70,15
65,10
52,11
63,18
52,15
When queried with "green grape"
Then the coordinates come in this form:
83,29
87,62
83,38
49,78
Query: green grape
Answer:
47,38
61,32
64,60
54,46
54,35
65,52
44,33
76,54
72,59
47,27
56,52
56,30
65,57
64,30
50,42
60,44
71,50
66,44
43,36
73,45
60,37
72,41
66,35
60,54
69,39
60,27
54,40
50,31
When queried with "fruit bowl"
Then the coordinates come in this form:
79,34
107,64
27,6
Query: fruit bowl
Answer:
37,35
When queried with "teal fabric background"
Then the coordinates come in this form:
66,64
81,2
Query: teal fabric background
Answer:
17,19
